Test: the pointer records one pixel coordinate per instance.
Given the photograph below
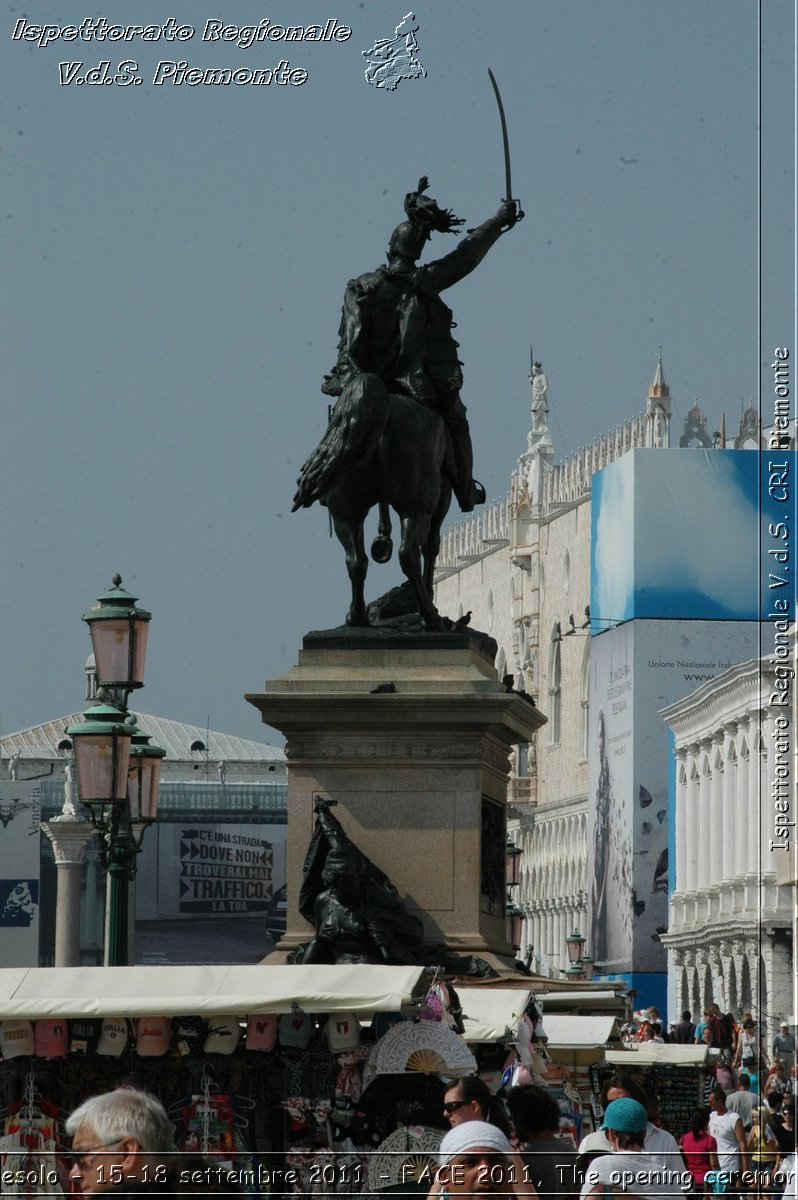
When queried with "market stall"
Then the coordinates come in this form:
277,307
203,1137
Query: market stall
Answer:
679,1075
260,1068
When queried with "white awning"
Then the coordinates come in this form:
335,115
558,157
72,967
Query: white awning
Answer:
578,1033
582,999
490,1012
202,991
662,1054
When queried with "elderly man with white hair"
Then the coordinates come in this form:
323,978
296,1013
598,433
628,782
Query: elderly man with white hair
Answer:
121,1141
477,1159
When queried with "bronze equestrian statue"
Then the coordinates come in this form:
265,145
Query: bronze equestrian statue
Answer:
398,435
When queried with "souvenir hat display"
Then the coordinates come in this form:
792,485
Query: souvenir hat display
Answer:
224,1034
16,1038
188,1034
382,1022
295,1028
152,1037
343,1031
262,1032
51,1038
114,1037
83,1035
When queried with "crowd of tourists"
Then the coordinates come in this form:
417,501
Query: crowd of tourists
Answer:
737,1145
122,1143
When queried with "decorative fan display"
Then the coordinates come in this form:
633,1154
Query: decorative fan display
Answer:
428,1047
390,1093
404,1157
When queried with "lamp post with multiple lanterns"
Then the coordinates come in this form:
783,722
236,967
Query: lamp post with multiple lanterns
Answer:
118,771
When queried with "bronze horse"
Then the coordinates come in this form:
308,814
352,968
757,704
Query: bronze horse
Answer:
389,450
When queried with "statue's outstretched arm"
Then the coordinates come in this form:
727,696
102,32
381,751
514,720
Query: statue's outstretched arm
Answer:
470,252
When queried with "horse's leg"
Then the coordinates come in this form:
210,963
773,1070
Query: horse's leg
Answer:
433,543
382,546
415,531
350,535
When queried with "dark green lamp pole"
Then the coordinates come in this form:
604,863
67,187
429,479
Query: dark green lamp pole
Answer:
118,771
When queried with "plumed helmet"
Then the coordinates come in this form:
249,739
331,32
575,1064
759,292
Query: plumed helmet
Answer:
424,215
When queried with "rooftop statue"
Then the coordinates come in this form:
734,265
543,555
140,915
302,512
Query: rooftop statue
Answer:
398,435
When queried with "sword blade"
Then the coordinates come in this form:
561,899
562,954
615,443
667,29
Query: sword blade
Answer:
507,176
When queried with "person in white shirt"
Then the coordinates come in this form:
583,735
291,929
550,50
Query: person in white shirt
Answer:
629,1168
786,1177
659,1142
726,1128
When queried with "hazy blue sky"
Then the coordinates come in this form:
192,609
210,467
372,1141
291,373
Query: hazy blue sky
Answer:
174,260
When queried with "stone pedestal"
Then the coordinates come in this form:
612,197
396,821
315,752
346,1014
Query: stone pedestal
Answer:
411,735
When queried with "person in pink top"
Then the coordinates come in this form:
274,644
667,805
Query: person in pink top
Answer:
699,1149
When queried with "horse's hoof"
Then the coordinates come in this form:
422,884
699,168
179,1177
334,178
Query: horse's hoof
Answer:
436,624
381,549
358,620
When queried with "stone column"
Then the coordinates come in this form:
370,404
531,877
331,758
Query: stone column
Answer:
730,833
780,982
739,954
756,795
701,960
70,837
741,807
676,1004
680,818
550,940
726,963
688,1000
705,831
692,831
719,835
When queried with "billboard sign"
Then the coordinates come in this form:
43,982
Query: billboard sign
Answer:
20,840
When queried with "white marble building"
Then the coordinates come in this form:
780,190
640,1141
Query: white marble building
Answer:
522,567
731,921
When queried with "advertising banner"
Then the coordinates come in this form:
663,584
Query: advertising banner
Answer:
20,837
635,670
222,870
656,544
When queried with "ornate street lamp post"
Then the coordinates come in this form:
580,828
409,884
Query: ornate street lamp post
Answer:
118,772
575,944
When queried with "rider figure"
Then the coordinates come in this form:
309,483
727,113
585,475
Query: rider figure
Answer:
395,325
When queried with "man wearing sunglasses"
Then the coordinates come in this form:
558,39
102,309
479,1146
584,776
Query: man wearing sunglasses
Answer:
121,1142
470,1099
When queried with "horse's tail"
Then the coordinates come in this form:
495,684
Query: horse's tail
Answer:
355,427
